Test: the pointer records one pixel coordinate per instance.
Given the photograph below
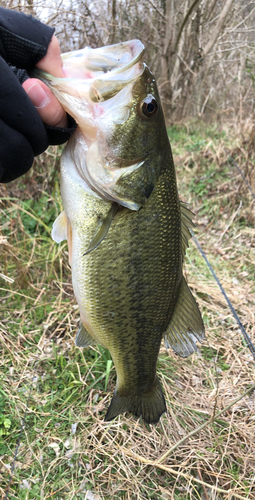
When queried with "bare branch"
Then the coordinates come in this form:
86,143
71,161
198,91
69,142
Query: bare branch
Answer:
156,9
193,5
218,27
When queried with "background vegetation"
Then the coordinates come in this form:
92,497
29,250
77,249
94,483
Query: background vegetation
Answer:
202,55
201,51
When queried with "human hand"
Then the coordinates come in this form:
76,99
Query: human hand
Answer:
30,116
48,107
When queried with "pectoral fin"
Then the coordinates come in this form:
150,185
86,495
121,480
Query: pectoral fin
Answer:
102,229
186,325
83,337
59,229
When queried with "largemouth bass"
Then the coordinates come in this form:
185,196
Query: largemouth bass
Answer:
126,229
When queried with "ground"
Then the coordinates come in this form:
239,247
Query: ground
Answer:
66,450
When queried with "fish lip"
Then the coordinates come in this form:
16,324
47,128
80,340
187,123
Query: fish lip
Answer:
119,74
135,46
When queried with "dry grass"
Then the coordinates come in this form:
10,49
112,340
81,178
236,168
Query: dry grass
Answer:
197,451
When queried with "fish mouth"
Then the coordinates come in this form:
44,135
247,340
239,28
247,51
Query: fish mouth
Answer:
97,91
109,69
97,74
115,58
93,77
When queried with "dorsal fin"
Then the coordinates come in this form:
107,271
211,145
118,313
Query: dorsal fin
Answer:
186,325
186,224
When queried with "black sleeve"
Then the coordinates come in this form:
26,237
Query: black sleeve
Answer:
23,39
23,135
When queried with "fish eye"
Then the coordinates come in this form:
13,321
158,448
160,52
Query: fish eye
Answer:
149,106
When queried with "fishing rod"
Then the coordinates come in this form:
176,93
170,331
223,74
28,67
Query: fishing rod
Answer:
241,326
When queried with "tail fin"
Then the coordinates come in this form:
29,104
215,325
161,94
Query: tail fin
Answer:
150,405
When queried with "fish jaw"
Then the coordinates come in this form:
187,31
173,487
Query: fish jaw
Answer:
93,76
97,92
112,58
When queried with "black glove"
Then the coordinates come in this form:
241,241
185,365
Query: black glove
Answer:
23,43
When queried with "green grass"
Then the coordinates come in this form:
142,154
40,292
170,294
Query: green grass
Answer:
66,449
193,137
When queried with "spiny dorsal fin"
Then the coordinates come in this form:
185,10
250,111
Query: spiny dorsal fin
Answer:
186,224
83,337
102,229
186,325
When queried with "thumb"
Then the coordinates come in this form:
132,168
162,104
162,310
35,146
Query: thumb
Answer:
48,107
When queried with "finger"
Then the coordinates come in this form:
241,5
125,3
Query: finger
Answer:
52,63
48,107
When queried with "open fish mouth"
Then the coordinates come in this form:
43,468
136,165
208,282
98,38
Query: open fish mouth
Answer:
115,58
95,76
97,92
110,68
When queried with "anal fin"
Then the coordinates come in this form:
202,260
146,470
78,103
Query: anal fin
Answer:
186,325
83,337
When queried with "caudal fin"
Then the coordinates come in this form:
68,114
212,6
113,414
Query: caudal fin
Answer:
150,406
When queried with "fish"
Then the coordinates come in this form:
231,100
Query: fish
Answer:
127,230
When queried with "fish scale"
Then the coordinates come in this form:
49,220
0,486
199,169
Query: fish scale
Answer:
127,231
121,280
